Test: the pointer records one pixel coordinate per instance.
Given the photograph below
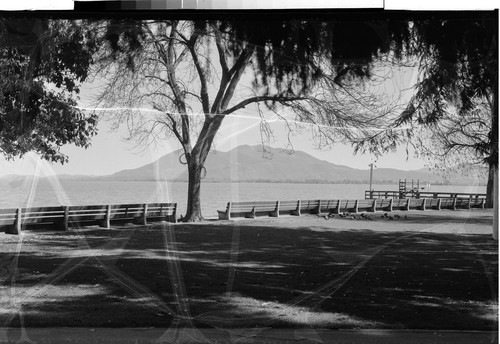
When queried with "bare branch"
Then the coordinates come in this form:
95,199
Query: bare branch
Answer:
257,99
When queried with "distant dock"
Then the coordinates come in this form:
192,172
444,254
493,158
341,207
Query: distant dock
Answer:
405,191
371,194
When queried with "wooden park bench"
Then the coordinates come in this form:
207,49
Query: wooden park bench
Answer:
13,219
64,217
103,215
447,203
249,209
433,203
384,204
462,202
367,205
289,208
310,206
416,203
329,206
477,202
350,206
401,204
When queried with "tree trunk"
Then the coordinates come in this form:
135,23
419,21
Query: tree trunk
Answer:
495,204
490,188
195,170
494,144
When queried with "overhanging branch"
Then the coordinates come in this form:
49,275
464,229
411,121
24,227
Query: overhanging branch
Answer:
258,99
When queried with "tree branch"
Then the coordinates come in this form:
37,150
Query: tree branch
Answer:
205,101
235,74
257,99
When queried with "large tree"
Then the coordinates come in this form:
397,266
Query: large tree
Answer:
42,63
194,73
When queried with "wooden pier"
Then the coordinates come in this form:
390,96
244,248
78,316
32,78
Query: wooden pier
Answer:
405,191
421,194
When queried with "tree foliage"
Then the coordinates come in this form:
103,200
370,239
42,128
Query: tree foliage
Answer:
42,63
457,62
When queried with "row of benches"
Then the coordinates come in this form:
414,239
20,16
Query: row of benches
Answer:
64,217
336,206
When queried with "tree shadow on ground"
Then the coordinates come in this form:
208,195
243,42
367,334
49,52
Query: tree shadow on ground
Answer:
234,275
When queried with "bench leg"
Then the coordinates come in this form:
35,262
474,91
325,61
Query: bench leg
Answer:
223,215
16,227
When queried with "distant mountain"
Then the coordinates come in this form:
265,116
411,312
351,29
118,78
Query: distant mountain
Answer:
250,163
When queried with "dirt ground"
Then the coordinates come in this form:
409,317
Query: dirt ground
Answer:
427,271
474,221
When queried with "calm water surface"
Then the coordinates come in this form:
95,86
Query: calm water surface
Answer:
46,192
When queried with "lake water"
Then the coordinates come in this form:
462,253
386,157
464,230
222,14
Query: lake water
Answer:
28,192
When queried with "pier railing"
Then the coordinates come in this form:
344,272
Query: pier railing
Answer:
14,220
421,194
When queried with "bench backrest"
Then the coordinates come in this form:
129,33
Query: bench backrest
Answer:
288,205
416,203
329,204
87,213
309,205
432,202
365,203
399,202
161,209
383,202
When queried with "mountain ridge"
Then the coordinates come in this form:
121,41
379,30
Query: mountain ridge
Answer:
266,164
